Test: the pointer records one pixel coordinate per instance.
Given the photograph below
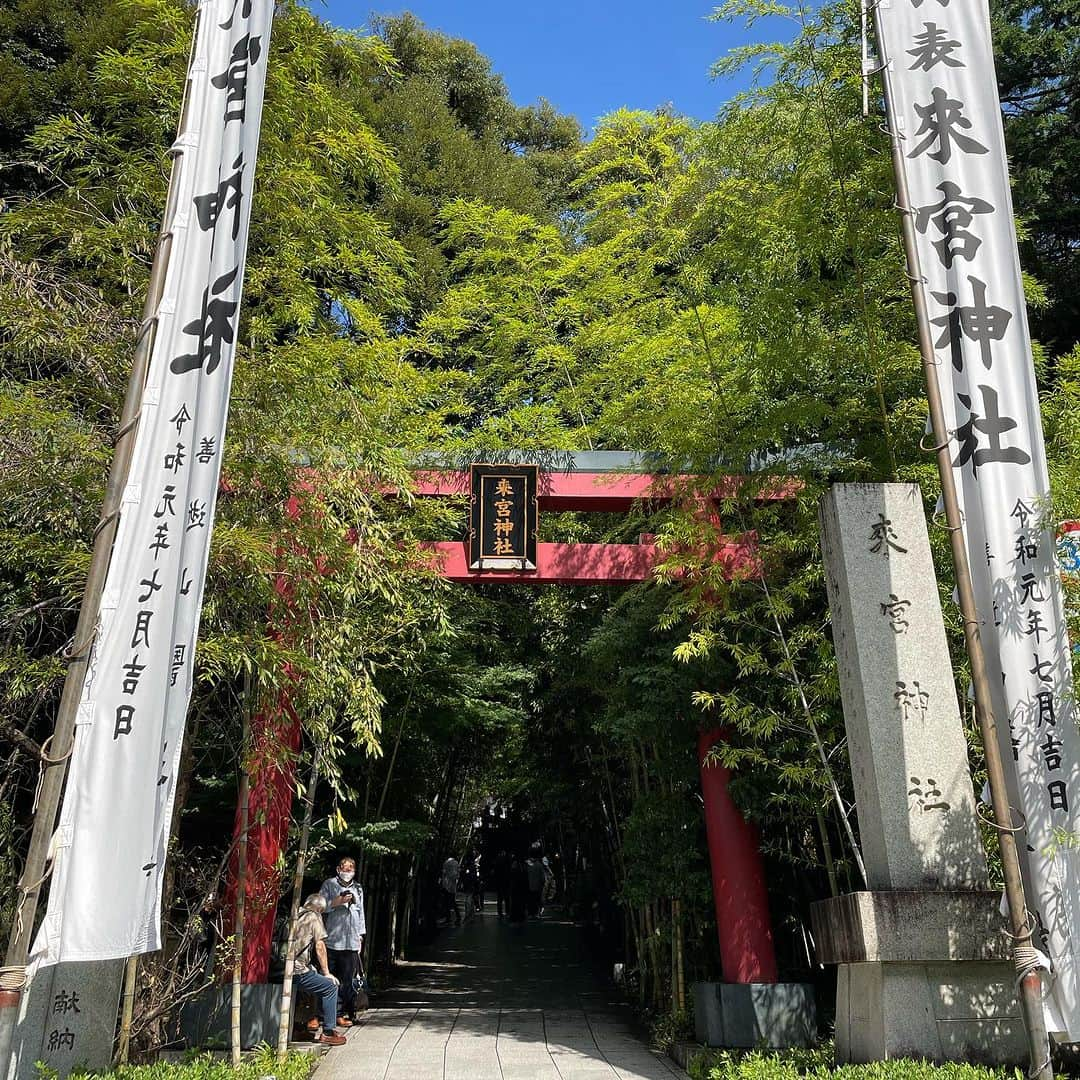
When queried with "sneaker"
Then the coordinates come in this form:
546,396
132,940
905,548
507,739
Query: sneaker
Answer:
331,1038
344,1021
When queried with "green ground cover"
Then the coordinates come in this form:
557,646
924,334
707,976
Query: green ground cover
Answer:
261,1064
819,1064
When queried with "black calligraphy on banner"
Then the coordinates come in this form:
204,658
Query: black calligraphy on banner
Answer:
953,217
234,79
245,13
943,123
227,196
979,322
934,47
213,328
991,424
943,106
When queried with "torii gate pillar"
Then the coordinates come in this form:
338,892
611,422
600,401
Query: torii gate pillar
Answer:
747,954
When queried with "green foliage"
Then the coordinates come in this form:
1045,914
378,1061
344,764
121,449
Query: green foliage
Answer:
817,1064
255,1065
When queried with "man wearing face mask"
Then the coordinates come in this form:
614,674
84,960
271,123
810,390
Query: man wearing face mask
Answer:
345,929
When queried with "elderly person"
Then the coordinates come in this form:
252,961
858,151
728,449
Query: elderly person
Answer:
345,929
311,969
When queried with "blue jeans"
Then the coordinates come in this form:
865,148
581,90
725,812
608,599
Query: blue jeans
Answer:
325,990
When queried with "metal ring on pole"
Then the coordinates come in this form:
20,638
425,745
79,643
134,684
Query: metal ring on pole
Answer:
82,651
934,520
1034,1072
932,449
103,523
1026,930
1003,828
124,428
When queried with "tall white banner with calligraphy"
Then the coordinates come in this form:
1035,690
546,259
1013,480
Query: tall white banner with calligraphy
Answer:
110,847
945,106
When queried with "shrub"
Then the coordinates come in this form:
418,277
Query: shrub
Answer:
818,1064
260,1064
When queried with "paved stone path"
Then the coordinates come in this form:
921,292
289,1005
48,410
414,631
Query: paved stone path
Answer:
488,1001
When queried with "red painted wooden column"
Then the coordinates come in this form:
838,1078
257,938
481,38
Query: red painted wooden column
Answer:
275,740
747,954
276,733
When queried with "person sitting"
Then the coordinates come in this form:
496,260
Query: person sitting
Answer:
311,970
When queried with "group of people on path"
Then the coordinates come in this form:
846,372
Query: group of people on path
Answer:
326,942
522,885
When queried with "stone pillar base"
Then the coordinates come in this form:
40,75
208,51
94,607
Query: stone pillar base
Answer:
955,1010
922,975
206,1020
777,1015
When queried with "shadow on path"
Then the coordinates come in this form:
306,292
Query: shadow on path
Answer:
491,1001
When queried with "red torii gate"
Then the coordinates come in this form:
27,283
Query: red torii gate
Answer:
596,482
744,930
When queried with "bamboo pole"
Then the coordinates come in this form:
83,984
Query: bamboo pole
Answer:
123,1049
285,1016
826,851
1030,984
241,883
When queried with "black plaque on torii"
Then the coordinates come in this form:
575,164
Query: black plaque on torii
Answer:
503,517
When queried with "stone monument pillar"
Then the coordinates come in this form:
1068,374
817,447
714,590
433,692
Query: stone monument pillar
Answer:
922,959
67,1019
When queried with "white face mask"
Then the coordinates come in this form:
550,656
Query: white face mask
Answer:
345,876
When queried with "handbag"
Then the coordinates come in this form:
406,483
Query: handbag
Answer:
361,988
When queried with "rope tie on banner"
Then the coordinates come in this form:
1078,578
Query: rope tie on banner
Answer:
80,650
1028,960
13,978
48,761
23,892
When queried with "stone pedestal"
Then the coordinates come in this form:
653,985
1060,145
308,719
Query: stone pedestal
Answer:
67,1019
923,967
921,974
206,1020
745,1015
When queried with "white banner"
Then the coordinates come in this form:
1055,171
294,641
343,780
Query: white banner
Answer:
110,847
946,108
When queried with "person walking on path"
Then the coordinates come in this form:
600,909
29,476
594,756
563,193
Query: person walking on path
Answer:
534,868
519,890
345,930
448,882
501,881
311,968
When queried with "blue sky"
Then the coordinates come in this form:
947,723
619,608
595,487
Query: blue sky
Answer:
587,57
